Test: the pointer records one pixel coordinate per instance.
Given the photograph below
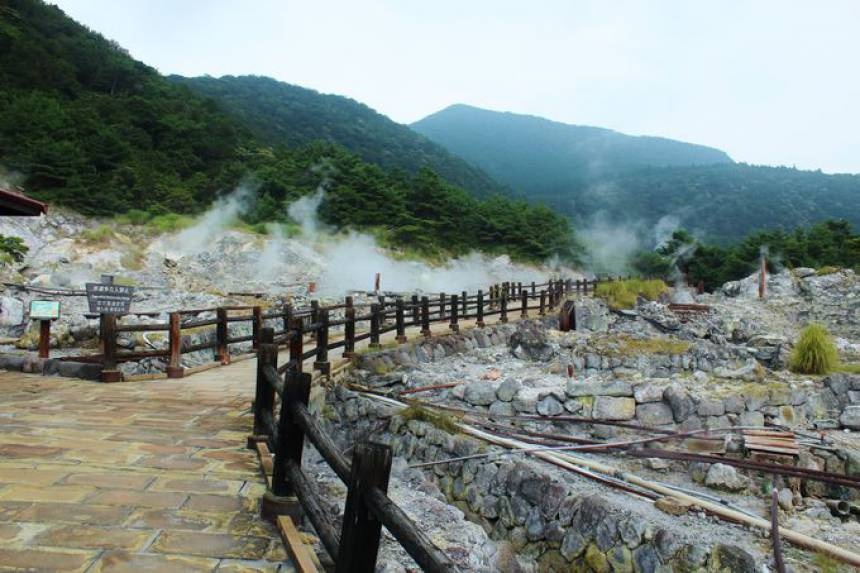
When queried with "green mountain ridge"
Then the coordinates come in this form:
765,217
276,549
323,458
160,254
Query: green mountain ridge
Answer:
586,172
278,113
93,129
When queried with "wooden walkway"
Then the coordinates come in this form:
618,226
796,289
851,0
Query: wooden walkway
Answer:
137,476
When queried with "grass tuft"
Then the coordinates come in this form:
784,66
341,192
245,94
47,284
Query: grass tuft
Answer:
827,270
444,422
815,352
623,293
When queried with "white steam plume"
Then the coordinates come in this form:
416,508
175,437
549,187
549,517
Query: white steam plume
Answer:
223,213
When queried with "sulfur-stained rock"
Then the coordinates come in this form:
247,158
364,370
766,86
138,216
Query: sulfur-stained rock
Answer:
611,408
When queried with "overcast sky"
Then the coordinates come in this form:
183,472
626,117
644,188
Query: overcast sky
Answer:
770,82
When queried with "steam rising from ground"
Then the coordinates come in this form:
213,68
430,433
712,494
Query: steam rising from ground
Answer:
223,213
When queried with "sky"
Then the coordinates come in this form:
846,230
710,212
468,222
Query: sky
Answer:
770,82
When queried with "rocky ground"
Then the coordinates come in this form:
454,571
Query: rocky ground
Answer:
722,369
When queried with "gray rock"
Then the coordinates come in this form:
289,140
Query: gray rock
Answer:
535,525
612,408
597,387
724,477
711,407
526,400
531,343
654,414
648,393
549,406
480,393
11,311
680,401
573,406
751,419
573,544
732,558
734,404
502,409
850,418
508,389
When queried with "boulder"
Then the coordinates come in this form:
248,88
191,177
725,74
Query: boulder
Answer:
508,389
531,343
850,417
648,393
711,407
612,408
680,401
725,477
480,393
654,414
591,314
549,406
11,311
598,387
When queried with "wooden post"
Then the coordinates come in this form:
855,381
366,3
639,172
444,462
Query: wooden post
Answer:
315,316
465,298
174,365
256,325
534,289
107,329
480,323
222,350
322,364
416,310
349,332
359,538
762,278
425,316
519,289
524,305
400,321
503,312
288,315
44,338
542,303
374,325
264,397
578,285
296,342
453,325
441,306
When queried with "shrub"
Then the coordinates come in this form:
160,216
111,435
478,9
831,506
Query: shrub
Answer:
13,248
827,270
100,235
623,293
169,223
815,352
134,217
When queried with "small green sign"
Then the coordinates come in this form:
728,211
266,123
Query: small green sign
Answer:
44,310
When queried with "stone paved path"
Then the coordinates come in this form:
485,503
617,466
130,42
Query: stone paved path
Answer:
136,476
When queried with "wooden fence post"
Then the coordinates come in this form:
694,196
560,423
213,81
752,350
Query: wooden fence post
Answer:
256,325
296,338
416,311
287,316
425,316
441,306
264,396
465,298
374,325
44,338
107,329
400,320
534,289
322,364
524,305
174,365
349,332
542,310
519,289
480,312
361,532
222,351
454,314
315,316
503,312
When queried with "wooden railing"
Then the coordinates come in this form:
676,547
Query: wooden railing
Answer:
389,313
283,428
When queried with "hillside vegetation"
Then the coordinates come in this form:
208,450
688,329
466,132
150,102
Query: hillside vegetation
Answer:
279,113
635,181
89,127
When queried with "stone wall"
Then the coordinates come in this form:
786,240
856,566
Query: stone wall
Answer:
544,516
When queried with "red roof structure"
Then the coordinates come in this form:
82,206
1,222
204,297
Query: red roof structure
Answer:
13,203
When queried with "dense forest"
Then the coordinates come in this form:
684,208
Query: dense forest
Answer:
89,127
279,113
826,246
584,172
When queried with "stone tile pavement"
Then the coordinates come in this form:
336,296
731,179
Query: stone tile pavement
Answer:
138,476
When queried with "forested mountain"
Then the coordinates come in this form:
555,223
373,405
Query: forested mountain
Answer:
87,126
540,156
636,181
279,113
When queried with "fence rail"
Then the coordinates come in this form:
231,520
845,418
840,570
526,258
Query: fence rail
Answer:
282,420
390,313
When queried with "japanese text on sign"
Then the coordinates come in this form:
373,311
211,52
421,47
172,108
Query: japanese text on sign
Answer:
109,299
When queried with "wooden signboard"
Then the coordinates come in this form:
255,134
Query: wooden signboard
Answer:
44,310
109,298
